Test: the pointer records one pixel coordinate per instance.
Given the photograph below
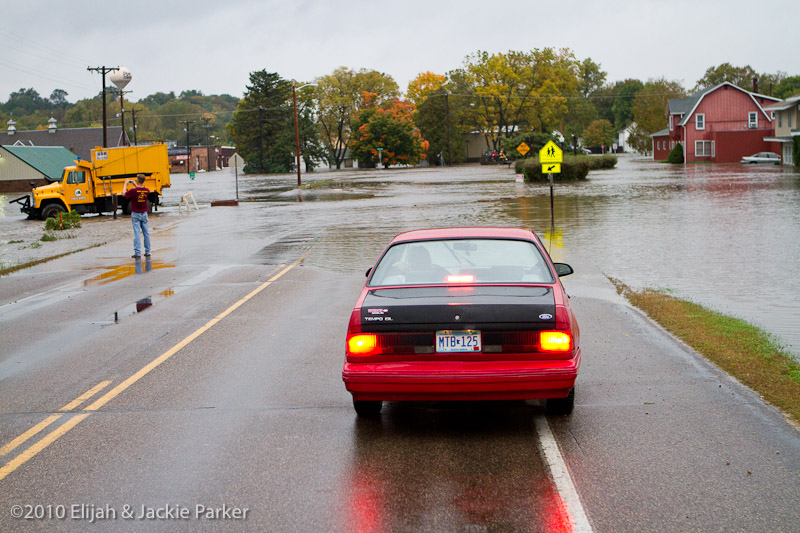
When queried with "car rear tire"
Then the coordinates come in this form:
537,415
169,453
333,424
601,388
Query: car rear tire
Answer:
561,406
367,409
52,211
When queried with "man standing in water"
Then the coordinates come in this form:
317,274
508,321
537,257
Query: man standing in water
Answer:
137,197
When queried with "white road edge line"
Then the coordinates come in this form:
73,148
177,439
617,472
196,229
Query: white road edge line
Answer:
561,477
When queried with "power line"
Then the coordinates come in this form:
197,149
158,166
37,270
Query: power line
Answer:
66,83
35,44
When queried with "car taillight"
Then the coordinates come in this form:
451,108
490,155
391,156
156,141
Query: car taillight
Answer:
555,341
362,344
389,344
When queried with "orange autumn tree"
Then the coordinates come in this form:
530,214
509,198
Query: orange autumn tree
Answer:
424,84
389,128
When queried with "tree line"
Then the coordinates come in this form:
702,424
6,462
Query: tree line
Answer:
158,117
507,97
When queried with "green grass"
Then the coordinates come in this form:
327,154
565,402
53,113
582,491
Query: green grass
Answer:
741,349
8,270
315,184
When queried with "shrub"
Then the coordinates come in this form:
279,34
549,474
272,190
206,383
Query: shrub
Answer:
574,167
570,171
68,221
594,162
676,155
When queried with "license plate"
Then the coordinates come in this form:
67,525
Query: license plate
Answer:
454,341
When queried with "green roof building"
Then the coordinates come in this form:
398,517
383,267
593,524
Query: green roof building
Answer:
20,165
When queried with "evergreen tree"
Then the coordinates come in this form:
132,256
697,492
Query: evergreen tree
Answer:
676,155
263,127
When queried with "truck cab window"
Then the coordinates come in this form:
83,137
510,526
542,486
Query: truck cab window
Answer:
76,176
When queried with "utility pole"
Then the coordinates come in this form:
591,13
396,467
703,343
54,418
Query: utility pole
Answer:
103,71
208,148
296,127
449,148
133,112
188,150
261,137
296,132
122,114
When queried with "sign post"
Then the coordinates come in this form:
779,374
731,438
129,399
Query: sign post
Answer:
551,157
237,160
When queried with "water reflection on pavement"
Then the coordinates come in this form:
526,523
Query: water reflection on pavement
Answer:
441,469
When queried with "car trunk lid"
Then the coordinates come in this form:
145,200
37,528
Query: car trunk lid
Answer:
470,307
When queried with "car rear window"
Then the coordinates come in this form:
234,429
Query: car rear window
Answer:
457,261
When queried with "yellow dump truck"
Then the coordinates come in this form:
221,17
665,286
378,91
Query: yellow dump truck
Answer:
91,186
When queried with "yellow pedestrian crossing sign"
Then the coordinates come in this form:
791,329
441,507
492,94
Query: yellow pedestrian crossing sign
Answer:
551,168
551,153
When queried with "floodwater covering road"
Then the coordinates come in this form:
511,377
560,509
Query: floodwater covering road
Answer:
212,378
724,236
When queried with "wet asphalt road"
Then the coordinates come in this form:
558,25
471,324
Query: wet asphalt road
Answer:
252,414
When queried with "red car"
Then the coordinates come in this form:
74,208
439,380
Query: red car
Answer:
463,314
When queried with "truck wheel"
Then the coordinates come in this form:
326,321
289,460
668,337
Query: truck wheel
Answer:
52,211
126,207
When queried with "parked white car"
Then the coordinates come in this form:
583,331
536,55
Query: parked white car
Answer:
762,157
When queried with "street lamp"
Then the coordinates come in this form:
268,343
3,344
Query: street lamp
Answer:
296,127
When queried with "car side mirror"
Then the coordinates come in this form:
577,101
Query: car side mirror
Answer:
563,269
368,271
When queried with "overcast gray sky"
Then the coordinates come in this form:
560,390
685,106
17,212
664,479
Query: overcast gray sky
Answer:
212,46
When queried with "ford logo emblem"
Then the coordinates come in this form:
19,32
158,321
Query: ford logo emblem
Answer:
545,316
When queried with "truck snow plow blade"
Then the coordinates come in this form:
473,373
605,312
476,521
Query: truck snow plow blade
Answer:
24,203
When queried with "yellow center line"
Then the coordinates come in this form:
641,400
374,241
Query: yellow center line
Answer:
85,396
41,445
11,446
47,440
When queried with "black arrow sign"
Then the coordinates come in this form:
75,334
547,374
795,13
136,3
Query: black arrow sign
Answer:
551,167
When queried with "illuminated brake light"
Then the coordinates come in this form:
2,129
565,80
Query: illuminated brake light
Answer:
464,278
362,344
555,341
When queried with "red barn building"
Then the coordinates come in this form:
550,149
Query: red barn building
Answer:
721,124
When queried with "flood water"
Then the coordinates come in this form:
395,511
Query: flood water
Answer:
725,236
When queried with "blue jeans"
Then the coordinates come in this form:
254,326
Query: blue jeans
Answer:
139,221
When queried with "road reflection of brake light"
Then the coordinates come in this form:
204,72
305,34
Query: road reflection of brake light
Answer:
362,344
555,341
464,278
